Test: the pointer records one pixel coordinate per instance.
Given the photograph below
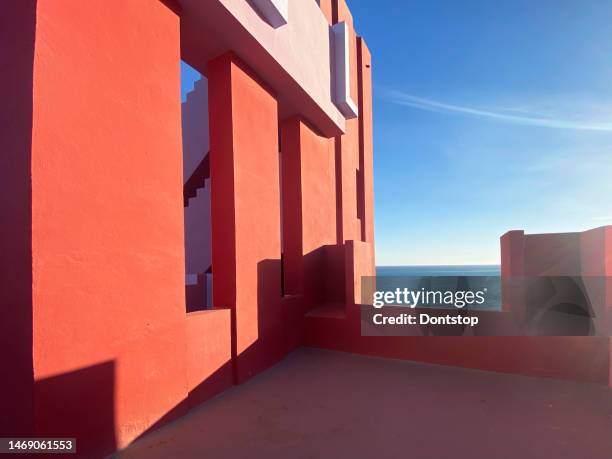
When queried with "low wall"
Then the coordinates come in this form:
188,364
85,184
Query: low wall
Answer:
579,358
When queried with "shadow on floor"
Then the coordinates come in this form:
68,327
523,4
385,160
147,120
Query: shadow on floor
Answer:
319,403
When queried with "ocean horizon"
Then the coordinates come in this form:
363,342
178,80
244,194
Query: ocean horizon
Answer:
439,270
472,277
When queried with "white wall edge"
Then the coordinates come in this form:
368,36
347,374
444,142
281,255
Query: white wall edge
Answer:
341,70
276,12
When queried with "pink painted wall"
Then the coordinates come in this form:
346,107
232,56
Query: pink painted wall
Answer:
366,142
277,55
347,146
556,254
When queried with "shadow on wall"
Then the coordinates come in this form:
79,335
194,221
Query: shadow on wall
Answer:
324,275
74,404
79,404
82,403
17,36
280,319
208,388
279,324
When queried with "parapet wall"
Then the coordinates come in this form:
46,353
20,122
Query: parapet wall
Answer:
581,358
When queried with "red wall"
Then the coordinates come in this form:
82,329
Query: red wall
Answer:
102,309
113,351
107,236
575,358
93,187
17,36
347,145
366,142
309,207
208,354
582,358
245,208
552,254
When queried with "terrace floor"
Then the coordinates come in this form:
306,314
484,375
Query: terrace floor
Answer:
323,404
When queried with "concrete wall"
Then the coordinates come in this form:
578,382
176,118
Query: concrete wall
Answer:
293,59
93,185
92,182
106,214
246,213
309,206
575,358
99,228
581,358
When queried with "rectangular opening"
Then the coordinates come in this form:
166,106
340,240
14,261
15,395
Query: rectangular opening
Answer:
196,189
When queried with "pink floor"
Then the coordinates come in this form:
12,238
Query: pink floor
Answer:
322,404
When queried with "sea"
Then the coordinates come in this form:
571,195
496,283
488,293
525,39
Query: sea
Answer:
439,270
445,277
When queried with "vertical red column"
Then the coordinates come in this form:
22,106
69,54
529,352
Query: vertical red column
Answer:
512,269
107,221
293,266
366,148
245,209
596,272
354,164
347,145
593,269
608,270
512,253
610,363
309,220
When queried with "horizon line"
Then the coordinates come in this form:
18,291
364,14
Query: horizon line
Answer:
446,264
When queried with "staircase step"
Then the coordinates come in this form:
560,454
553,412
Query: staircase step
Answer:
197,180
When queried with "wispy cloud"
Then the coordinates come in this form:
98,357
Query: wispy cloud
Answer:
528,119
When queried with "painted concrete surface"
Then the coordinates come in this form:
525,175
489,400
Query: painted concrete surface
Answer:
277,55
96,322
245,203
318,404
108,301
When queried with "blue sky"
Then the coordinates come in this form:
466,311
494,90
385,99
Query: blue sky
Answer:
488,116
